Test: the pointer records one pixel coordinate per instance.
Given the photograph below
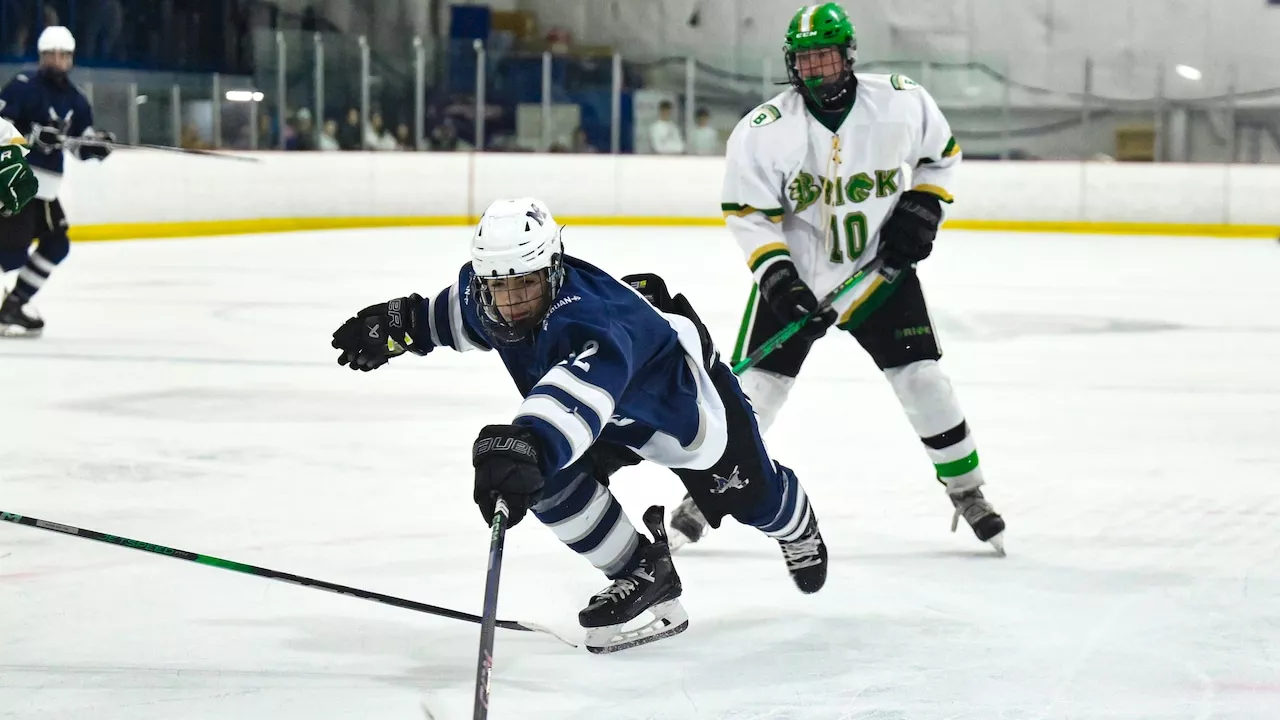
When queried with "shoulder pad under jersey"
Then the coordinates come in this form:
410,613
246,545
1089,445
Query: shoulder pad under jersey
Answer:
902,82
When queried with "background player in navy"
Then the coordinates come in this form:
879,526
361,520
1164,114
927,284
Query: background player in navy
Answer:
46,108
606,374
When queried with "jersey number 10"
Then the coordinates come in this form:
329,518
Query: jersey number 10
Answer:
855,236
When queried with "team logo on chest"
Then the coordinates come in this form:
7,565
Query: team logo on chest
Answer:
805,188
725,484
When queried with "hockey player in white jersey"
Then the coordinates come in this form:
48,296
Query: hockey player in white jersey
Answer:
839,171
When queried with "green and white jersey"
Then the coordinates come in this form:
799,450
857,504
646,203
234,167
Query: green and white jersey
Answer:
795,190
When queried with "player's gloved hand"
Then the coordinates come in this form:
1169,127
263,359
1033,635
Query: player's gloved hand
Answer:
603,459
506,461
907,235
97,152
790,299
17,183
47,138
380,332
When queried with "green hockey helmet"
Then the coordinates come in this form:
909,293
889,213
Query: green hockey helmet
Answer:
821,48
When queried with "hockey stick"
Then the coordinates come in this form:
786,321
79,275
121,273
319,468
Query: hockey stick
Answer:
95,142
786,333
484,665
274,575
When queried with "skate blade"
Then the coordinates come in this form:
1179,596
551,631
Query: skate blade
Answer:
669,619
17,331
997,542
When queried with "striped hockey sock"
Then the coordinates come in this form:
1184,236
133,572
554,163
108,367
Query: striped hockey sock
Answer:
33,276
934,411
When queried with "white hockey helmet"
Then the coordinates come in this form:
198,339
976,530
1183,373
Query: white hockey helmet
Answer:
56,38
516,255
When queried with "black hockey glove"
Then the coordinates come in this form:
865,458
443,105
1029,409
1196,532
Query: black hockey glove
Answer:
47,138
907,235
790,299
506,461
97,152
380,332
603,459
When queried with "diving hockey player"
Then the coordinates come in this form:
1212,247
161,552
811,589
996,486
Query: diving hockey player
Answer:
603,373
47,108
814,192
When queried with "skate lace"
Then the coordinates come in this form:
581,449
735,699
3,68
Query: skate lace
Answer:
972,506
802,553
624,586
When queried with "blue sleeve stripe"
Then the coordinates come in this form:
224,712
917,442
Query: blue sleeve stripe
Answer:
573,404
570,427
440,325
592,396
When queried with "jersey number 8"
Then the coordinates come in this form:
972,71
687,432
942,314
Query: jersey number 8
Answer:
855,236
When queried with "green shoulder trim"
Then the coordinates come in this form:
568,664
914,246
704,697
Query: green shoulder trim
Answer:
902,82
764,115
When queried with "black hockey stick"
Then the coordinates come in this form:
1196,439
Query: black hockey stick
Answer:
71,142
275,575
786,333
484,665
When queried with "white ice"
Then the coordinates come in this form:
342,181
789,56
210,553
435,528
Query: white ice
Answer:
1123,392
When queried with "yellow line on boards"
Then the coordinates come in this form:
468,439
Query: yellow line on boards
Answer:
132,231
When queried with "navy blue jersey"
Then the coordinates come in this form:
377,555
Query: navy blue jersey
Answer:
604,364
33,99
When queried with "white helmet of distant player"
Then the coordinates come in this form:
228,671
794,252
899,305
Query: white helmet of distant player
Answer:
56,46
56,38
516,254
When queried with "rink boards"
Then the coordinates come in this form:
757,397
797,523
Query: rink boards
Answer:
142,194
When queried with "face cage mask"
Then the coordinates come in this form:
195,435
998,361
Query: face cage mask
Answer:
830,92
498,327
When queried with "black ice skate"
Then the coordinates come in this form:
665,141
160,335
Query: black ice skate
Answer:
985,521
654,587
806,558
687,524
15,322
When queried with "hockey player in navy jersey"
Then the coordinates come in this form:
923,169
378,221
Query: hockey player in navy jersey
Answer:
608,377
48,109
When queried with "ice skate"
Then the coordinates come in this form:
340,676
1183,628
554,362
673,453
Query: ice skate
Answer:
806,558
653,587
985,521
687,524
15,322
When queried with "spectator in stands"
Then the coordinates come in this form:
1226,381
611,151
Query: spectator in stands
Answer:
304,132
704,140
266,132
376,135
580,144
404,140
444,137
329,138
664,136
350,136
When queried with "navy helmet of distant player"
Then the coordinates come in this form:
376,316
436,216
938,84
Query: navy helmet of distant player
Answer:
821,48
516,254
57,47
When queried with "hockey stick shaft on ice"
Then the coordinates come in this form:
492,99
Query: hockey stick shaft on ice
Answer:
786,333
484,664
270,574
72,142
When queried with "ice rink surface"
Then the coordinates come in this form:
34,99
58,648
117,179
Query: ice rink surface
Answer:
1123,393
